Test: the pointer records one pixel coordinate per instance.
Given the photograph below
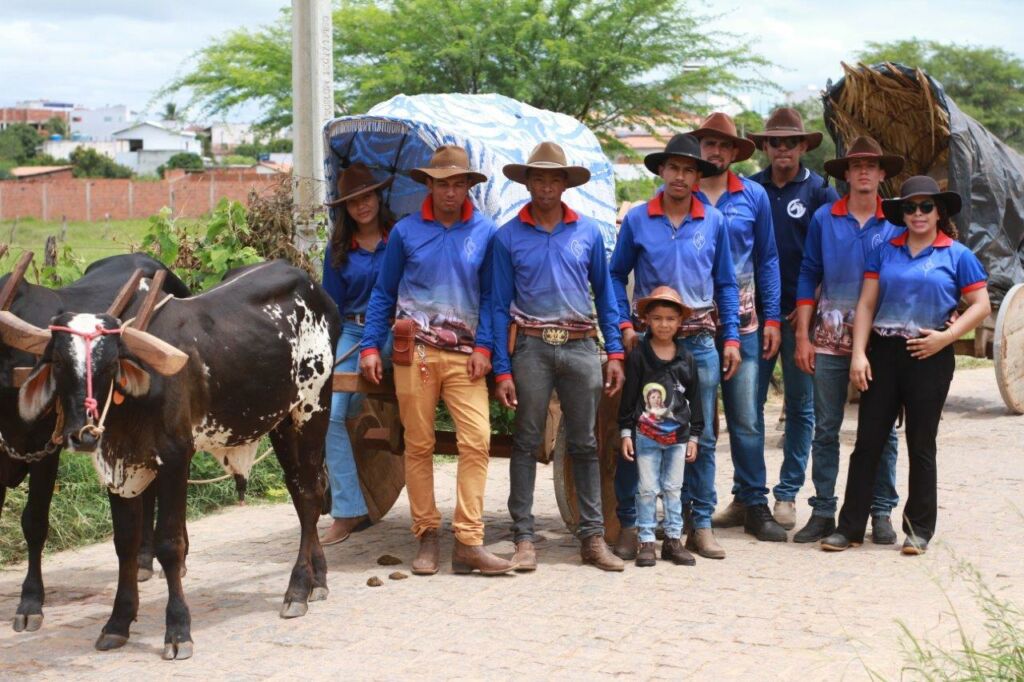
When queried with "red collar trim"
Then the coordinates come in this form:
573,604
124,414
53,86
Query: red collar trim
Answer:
353,245
941,239
655,207
841,208
733,183
427,209
568,215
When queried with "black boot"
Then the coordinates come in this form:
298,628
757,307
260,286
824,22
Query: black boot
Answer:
761,524
882,532
837,542
817,528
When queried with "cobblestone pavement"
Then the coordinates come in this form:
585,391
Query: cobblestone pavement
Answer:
769,611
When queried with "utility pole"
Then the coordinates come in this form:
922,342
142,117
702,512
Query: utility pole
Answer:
312,107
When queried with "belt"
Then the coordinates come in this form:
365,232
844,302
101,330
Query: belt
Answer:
556,336
358,318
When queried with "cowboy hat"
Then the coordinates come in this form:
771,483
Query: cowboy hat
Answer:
920,185
686,146
447,161
785,122
547,156
864,147
663,294
355,181
720,125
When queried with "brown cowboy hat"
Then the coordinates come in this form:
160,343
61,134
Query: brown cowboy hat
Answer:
448,161
357,180
865,147
547,156
920,185
721,125
686,146
663,294
785,122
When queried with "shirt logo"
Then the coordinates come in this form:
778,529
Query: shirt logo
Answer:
876,240
928,265
698,240
577,248
469,247
796,209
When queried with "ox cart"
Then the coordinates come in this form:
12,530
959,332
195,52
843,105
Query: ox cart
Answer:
908,112
401,134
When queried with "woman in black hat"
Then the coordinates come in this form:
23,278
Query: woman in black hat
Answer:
353,258
902,352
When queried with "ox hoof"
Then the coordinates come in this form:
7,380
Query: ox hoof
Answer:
318,594
107,641
28,622
145,574
294,609
177,652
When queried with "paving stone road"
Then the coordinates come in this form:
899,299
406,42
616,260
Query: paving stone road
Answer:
769,611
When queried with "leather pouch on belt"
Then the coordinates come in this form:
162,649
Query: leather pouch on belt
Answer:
513,330
405,339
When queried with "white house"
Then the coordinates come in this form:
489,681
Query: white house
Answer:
99,125
150,145
61,149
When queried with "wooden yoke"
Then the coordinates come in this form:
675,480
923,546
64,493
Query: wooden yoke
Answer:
17,274
125,295
145,314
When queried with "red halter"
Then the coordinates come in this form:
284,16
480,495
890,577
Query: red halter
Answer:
91,406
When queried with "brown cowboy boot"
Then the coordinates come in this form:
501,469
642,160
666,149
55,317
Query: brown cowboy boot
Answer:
467,558
429,556
595,552
703,542
628,543
672,550
525,557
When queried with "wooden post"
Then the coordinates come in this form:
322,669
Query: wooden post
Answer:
50,252
64,227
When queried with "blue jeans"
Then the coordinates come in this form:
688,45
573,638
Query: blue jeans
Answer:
798,389
346,495
699,478
831,377
661,471
744,416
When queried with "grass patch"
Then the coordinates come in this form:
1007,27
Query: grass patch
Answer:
89,240
970,362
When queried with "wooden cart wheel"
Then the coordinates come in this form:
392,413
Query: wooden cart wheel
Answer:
1008,349
381,473
607,431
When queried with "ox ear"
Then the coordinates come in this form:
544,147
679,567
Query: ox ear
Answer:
132,379
157,353
37,393
17,333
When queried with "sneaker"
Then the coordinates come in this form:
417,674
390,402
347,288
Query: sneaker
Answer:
817,527
761,524
730,517
647,556
882,532
785,513
914,545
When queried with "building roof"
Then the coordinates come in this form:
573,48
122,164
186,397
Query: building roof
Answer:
33,171
152,124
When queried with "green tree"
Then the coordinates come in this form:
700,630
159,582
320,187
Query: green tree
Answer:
56,125
987,83
186,160
604,62
171,112
89,163
19,143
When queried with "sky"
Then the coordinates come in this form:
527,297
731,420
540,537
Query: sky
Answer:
121,52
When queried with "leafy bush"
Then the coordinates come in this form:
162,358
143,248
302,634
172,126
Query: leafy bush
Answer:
89,163
186,160
238,160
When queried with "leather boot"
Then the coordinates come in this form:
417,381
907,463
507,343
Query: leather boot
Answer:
785,513
627,544
762,525
703,542
525,557
672,550
595,552
429,556
730,517
646,556
882,532
817,528
469,558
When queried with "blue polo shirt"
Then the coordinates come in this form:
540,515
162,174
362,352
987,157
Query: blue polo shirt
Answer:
350,285
921,292
793,205
440,277
544,279
837,248
694,259
748,215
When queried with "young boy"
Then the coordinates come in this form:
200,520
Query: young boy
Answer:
661,406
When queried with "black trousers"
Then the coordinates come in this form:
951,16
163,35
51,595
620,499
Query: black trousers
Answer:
920,388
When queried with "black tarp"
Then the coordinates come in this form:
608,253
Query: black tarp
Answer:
987,174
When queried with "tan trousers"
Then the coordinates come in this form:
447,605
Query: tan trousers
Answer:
446,378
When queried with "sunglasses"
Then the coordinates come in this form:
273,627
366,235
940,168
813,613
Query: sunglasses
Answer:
910,208
787,142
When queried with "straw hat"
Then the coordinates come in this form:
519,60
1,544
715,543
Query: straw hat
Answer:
355,181
721,125
448,161
785,122
547,156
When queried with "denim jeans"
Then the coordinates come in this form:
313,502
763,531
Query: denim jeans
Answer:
346,496
798,389
574,370
831,377
744,416
661,471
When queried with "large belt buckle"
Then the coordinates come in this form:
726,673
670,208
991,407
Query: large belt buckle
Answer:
553,336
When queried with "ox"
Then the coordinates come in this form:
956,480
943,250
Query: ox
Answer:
216,372
26,448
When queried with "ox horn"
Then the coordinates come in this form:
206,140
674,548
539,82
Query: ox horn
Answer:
157,353
17,333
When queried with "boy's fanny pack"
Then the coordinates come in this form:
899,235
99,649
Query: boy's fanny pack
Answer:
405,338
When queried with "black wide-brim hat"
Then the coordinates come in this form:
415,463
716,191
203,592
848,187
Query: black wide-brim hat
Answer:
917,186
686,146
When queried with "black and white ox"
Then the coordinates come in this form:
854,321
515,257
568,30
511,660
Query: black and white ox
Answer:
26,447
215,372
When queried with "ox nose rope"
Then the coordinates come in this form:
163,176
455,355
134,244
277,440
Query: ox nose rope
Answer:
91,406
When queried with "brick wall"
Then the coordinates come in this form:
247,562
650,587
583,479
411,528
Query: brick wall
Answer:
92,199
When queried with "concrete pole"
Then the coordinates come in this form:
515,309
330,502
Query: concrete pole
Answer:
312,107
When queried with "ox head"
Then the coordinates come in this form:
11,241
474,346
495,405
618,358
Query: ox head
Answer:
82,356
